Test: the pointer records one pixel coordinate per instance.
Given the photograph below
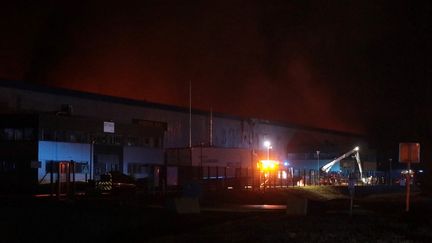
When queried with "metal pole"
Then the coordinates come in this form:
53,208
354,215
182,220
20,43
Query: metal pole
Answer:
73,179
201,162
318,166
408,187
292,176
351,205
91,164
190,114
304,177
225,177
390,171
52,178
252,171
211,128
217,177
67,172
58,179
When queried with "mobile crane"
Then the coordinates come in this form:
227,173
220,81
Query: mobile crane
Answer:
326,168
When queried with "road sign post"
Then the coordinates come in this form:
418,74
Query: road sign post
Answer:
409,153
408,187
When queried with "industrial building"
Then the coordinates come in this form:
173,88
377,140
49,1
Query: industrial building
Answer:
44,125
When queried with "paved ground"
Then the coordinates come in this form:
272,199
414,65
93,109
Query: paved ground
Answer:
377,217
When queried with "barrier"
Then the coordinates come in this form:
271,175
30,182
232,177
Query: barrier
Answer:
184,205
297,206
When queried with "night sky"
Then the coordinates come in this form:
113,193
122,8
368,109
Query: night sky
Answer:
356,66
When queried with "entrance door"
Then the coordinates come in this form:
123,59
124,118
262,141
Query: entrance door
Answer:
106,159
105,163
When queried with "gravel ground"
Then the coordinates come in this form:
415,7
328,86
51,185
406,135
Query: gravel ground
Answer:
328,228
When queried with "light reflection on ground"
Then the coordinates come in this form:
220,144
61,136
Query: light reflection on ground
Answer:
246,208
264,206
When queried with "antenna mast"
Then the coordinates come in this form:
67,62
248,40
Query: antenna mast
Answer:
190,114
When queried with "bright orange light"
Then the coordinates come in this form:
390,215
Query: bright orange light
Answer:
268,165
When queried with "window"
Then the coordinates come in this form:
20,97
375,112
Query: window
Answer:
7,134
19,134
118,139
72,137
29,134
7,166
136,168
47,135
16,134
132,141
60,135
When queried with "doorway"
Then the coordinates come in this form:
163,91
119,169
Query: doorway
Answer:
107,158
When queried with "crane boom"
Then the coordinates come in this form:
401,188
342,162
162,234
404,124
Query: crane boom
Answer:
328,166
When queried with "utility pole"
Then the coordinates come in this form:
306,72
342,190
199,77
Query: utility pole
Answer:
190,114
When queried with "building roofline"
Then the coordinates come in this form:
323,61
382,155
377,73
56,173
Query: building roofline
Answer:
147,104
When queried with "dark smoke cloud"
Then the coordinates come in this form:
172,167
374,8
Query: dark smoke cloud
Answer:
322,64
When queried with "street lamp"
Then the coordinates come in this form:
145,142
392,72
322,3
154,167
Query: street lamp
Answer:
318,165
267,144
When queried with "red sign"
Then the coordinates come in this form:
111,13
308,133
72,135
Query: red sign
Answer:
409,153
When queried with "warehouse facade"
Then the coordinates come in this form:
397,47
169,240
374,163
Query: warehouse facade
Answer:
103,133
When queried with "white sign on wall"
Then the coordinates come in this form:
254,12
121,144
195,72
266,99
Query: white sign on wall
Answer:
109,127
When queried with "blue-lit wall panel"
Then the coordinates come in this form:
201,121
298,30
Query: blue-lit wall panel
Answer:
60,151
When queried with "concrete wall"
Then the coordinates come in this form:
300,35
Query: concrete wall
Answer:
222,157
144,156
